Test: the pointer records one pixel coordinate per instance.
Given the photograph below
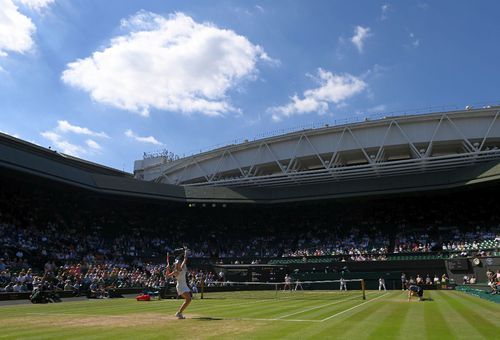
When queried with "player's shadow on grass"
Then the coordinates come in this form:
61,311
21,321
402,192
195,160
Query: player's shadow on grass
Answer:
207,318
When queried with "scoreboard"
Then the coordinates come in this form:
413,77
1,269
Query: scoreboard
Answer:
458,264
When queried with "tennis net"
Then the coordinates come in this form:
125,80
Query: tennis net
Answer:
307,290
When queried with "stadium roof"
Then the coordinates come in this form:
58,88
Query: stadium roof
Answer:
374,148
26,159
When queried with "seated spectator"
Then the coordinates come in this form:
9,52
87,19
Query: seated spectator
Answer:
68,286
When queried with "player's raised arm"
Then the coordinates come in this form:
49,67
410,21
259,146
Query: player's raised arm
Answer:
184,262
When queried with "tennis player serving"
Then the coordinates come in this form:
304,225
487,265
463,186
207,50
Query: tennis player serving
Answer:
180,273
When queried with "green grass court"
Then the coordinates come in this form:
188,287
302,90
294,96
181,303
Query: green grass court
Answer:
452,315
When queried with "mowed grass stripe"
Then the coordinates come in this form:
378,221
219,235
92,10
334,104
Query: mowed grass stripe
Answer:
491,306
343,323
435,324
71,333
414,322
46,327
281,308
459,327
256,310
95,307
468,300
214,306
283,330
214,303
450,316
106,310
121,307
317,306
321,314
483,325
390,325
278,308
364,302
381,316
313,314
38,332
288,311
311,309
239,303
314,330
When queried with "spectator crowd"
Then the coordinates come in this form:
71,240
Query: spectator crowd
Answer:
72,241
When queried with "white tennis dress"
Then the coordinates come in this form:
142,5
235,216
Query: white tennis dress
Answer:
181,286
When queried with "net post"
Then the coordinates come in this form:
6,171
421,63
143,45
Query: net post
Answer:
363,288
202,286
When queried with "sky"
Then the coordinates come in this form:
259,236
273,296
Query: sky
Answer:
109,80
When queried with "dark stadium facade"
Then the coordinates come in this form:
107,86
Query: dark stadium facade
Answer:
468,161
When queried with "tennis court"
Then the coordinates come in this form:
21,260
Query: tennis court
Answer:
388,315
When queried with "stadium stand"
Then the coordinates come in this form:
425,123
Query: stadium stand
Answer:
71,224
69,240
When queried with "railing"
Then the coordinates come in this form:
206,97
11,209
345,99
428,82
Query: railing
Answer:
344,121
360,171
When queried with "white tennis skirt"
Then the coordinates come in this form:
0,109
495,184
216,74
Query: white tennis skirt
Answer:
181,289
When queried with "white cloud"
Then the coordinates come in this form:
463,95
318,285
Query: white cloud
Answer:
360,35
93,144
260,8
36,5
58,136
385,8
10,134
63,145
333,88
16,29
64,126
150,139
168,63
414,41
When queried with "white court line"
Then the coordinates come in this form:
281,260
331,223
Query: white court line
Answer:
281,318
263,319
212,317
316,307
292,320
254,301
263,301
347,310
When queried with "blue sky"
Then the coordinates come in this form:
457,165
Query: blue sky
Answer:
109,80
